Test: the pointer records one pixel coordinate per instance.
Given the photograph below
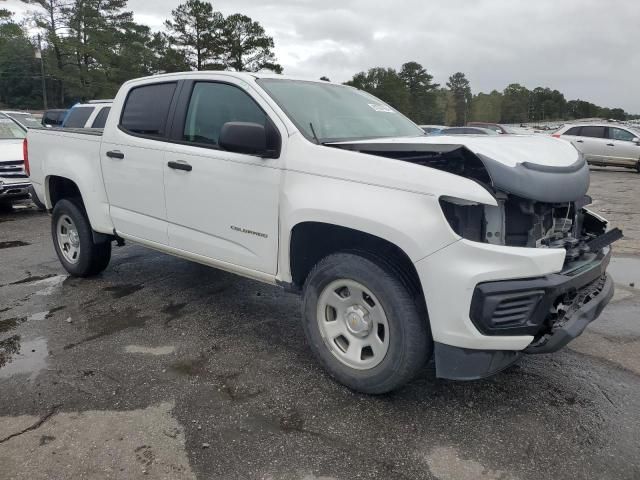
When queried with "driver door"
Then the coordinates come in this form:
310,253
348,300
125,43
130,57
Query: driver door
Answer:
221,205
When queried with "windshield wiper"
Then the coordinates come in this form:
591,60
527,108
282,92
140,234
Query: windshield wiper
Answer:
315,137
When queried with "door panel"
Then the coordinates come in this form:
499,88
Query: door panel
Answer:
135,188
133,163
226,207
591,142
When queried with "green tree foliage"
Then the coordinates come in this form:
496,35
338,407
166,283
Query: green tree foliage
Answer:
19,72
195,29
92,46
487,107
461,92
515,104
423,107
246,46
386,84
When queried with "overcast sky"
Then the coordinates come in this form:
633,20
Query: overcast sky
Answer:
587,49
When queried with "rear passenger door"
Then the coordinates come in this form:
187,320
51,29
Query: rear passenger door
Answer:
225,207
133,160
591,143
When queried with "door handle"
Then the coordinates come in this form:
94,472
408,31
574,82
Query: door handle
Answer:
180,166
611,144
579,141
115,154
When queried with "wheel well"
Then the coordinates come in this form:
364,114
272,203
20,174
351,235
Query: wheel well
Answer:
60,187
312,241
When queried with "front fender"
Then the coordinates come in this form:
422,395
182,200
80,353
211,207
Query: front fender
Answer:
412,221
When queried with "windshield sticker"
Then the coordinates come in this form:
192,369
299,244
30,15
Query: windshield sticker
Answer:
381,108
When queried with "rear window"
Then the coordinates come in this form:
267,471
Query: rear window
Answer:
573,131
146,108
78,117
101,118
595,132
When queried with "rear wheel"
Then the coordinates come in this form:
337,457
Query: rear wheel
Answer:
73,240
638,166
363,323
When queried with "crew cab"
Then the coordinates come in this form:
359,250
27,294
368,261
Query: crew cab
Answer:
469,250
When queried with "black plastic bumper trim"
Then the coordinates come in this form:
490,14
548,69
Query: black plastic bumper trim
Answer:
456,363
552,286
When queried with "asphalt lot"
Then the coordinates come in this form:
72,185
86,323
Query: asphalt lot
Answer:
161,368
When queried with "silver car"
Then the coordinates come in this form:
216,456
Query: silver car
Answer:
605,144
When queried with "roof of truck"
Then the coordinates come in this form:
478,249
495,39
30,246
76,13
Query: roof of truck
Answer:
242,75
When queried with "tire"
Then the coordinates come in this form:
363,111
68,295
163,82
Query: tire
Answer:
76,250
376,300
638,166
6,207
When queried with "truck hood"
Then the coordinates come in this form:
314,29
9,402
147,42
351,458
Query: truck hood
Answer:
510,150
539,168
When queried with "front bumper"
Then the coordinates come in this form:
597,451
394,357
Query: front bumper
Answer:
553,309
14,191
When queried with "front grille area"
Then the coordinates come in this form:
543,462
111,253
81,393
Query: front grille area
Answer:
511,311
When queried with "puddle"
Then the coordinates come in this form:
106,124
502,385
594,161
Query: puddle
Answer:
166,350
111,323
28,357
38,317
13,243
120,291
51,283
625,271
34,278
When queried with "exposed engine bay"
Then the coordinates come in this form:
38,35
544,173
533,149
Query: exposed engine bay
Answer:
538,206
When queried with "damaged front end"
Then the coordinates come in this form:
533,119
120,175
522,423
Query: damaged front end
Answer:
538,206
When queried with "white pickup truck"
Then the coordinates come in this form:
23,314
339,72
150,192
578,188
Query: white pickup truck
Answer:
468,250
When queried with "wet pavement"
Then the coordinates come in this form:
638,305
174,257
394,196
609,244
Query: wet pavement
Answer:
161,368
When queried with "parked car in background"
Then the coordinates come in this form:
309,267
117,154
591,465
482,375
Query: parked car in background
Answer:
605,144
88,115
327,191
501,129
467,131
14,181
24,119
432,129
54,118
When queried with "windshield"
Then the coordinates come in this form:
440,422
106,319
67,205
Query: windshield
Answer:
331,113
10,130
26,119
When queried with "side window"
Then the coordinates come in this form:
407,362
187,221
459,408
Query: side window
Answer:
620,134
214,104
573,131
146,108
78,117
101,118
594,132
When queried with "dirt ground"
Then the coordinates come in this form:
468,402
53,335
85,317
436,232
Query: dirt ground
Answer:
161,368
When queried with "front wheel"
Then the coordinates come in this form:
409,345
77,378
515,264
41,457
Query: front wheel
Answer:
73,240
364,324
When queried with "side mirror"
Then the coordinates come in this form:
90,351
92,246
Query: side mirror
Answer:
245,137
636,140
